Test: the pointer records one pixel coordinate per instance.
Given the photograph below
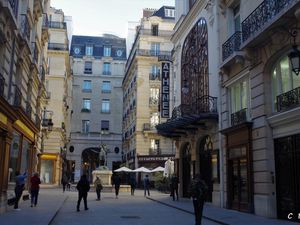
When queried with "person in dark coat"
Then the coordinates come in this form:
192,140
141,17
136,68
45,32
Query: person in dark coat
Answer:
34,188
64,182
132,184
83,187
117,183
198,191
146,185
19,188
174,187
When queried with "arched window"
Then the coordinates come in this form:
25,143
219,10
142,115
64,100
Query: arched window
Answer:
285,84
194,67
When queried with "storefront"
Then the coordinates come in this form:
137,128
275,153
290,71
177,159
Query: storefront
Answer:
47,168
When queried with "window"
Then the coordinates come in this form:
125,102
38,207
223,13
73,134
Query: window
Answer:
285,85
154,29
237,18
105,125
155,72
106,68
154,95
89,50
87,86
155,48
154,119
105,106
154,149
88,67
107,51
169,12
86,105
106,87
85,126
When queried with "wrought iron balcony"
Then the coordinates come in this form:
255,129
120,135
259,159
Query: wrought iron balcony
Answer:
106,72
262,15
154,151
204,104
34,52
147,52
153,101
25,28
28,109
14,6
57,25
160,33
2,84
231,45
58,46
18,97
239,117
288,100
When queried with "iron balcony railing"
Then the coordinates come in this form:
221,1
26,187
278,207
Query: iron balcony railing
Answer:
160,33
18,97
147,52
154,76
106,72
288,100
45,23
154,151
34,52
2,84
14,6
25,28
231,45
239,117
58,46
204,104
28,109
57,25
263,14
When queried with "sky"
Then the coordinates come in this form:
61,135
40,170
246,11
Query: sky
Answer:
96,17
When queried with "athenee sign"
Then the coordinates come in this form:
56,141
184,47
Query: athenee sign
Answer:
165,90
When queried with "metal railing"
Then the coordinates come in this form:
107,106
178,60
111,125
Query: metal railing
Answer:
28,109
147,52
58,46
154,151
231,45
25,28
160,33
263,14
239,117
18,97
154,76
288,100
204,104
34,52
57,25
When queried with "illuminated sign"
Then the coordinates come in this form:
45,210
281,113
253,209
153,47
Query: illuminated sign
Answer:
165,90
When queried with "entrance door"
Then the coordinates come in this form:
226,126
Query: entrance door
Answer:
239,197
287,163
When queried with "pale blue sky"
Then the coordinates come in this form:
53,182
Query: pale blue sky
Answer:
95,17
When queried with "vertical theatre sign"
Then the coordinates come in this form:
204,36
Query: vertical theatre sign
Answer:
165,90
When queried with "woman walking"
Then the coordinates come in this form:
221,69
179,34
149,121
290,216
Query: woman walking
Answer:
34,188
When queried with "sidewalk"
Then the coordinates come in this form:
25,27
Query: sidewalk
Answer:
40,215
216,214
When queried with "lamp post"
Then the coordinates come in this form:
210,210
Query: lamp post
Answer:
294,56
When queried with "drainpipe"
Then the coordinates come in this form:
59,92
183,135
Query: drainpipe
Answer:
11,68
220,111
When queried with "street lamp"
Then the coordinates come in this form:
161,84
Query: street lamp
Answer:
294,56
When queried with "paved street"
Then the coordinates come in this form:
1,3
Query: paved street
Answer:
57,208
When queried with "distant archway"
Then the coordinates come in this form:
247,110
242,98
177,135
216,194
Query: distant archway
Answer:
90,160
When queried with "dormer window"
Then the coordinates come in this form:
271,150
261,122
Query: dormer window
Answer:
169,12
107,51
89,50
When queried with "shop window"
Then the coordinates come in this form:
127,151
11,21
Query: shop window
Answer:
14,155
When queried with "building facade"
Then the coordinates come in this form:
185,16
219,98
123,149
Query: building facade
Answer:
23,47
142,89
260,106
57,104
96,132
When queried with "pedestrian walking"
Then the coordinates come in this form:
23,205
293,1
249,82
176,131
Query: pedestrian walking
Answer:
117,183
98,186
132,184
64,181
146,185
174,187
34,189
19,188
198,191
83,187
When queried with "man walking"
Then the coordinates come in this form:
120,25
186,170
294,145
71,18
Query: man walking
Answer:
146,185
20,186
83,187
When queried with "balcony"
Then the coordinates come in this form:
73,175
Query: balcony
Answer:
57,25
232,45
239,117
2,85
34,52
154,151
288,100
25,28
154,76
106,72
58,46
153,101
147,52
263,17
161,33
28,110
190,117
45,26
85,110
